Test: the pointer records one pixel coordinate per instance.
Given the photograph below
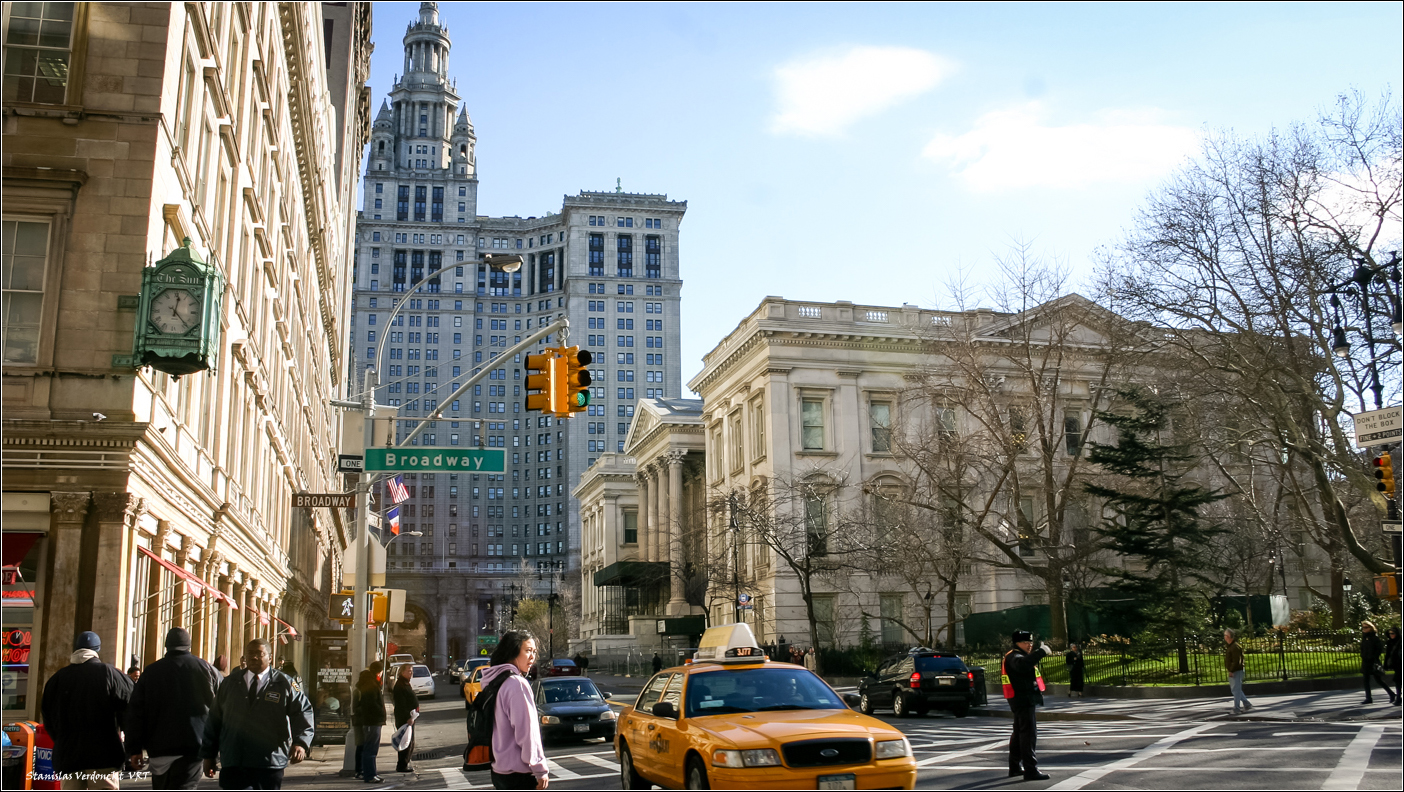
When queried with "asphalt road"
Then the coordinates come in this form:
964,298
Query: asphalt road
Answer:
1177,752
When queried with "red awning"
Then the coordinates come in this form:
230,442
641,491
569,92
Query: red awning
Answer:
291,629
17,544
195,586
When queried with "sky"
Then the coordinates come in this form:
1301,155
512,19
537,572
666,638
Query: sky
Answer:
877,152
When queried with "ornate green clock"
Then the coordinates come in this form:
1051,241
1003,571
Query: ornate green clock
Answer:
178,315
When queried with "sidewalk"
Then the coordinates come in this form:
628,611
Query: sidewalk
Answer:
1313,706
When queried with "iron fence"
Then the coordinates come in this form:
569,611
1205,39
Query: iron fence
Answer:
1277,656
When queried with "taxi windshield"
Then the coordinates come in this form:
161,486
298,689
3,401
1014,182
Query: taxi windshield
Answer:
574,690
727,691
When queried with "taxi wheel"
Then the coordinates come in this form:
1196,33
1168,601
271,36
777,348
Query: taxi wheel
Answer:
696,774
629,778
865,704
899,705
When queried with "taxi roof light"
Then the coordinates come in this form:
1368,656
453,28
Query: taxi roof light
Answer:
730,643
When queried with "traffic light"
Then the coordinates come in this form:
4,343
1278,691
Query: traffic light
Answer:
577,379
1384,474
540,382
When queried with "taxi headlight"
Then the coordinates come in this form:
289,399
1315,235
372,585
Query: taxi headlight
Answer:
608,715
551,719
893,749
727,759
763,757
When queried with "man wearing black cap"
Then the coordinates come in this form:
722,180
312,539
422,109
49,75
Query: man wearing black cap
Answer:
166,716
1023,687
82,710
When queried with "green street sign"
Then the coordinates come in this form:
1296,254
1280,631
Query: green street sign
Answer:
435,460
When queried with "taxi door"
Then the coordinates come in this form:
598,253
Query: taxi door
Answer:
640,725
667,742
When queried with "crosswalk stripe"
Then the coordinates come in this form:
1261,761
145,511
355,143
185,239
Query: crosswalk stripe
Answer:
560,772
596,761
1154,749
1354,759
455,779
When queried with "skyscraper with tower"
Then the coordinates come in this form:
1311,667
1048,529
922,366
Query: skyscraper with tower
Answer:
607,260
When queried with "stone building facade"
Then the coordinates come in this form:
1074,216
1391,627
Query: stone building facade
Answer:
608,261
134,501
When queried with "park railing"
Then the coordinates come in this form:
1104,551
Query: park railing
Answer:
1277,656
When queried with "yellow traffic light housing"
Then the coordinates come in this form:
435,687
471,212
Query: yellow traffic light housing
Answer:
1384,474
577,378
539,382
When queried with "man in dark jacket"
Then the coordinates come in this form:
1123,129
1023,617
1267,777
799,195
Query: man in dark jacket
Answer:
1023,687
82,710
260,721
166,715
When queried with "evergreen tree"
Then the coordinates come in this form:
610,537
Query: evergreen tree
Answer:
1155,524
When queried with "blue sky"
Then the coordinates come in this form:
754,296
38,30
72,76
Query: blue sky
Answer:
869,152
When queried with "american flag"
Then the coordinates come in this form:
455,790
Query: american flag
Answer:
398,492
392,518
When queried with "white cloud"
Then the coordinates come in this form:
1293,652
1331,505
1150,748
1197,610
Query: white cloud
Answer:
823,96
1014,148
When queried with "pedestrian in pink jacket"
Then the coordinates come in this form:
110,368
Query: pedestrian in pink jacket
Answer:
518,758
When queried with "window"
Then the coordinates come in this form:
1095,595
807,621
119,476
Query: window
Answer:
624,245
812,424
824,615
890,609
737,433
1026,527
1072,433
26,248
946,421
816,525
880,417
758,427
631,528
37,50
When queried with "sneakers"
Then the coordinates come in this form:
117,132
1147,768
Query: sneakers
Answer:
374,780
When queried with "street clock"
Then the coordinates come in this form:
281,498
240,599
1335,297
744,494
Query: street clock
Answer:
177,328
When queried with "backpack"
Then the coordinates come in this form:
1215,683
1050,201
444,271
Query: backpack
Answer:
482,715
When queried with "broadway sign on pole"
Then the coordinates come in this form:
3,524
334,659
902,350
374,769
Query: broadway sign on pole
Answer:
435,460
329,500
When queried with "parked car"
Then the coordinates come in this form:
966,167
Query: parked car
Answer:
399,659
919,681
455,671
573,709
422,681
561,667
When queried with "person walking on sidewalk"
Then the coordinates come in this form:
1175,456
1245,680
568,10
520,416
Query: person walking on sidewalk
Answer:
1023,688
1073,659
1391,661
657,663
260,723
167,713
1234,667
1370,667
82,711
406,704
368,716
518,758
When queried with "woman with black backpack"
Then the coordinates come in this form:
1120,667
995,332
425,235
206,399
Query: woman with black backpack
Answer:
518,758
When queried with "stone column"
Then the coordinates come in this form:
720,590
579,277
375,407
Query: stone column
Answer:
440,636
677,602
151,642
641,518
228,617
179,618
68,511
657,534
239,636
117,514
200,624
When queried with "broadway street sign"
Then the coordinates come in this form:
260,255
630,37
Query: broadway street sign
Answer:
330,500
435,460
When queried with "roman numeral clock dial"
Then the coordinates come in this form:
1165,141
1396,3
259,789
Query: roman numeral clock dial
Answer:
175,311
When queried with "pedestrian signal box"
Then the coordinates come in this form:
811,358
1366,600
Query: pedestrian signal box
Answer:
343,607
1387,587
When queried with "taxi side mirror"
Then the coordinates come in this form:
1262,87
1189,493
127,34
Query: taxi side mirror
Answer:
665,709
609,695
852,699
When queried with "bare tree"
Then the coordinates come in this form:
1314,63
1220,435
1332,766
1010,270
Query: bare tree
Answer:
1234,260
807,525
1009,397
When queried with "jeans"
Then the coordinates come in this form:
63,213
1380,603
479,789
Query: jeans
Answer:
1236,687
370,746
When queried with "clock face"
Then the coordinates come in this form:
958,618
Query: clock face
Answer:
175,311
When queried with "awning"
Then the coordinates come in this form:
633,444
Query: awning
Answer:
262,617
291,629
17,544
632,573
195,586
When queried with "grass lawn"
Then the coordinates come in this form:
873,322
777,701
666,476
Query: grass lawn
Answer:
1163,669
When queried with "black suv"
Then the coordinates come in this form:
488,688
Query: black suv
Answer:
919,681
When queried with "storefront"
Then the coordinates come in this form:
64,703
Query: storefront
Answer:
26,524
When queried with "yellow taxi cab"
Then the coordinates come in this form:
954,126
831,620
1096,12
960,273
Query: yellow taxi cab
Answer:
473,685
732,719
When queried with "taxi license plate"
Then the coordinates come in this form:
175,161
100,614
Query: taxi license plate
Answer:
945,680
844,781
582,728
